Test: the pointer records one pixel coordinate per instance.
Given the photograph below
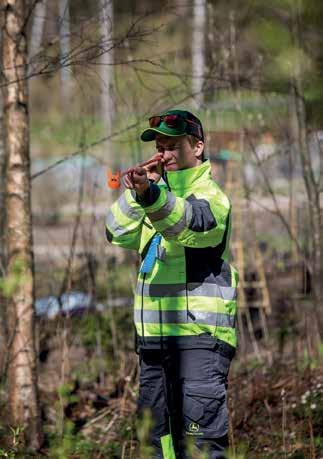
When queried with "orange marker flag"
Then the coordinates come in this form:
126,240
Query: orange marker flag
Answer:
113,180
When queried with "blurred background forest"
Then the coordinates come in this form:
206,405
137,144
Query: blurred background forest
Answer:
89,76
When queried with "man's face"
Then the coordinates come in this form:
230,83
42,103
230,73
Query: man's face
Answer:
178,153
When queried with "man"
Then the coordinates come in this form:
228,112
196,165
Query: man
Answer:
185,299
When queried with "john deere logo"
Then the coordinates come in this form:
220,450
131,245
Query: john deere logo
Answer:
193,427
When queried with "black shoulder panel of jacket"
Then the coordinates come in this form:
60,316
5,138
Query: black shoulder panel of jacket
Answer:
204,265
221,247
108,235
202,217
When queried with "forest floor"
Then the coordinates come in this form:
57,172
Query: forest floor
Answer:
276,410
275,403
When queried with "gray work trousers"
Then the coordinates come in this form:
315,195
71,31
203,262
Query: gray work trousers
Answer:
185,390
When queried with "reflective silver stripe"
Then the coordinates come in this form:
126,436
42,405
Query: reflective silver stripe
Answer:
193,289
113,225
182,317
129,211
183,223
164,211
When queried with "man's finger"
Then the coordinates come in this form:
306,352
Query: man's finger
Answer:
127,181
140,170
151,166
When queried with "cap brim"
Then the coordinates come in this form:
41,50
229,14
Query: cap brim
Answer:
150,133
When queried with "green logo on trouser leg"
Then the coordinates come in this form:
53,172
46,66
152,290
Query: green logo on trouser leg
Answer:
194,429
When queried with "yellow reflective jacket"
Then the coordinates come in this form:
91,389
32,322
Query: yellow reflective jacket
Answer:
189,293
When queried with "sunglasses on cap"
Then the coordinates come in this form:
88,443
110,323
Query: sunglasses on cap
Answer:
174,121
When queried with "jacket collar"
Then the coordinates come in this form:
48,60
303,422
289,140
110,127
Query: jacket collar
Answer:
188,178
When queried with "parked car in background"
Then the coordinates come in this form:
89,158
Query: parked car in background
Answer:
70,303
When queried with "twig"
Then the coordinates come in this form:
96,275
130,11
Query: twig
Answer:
277,211
97,418
312,444
284,421
112,421
86,148
124,447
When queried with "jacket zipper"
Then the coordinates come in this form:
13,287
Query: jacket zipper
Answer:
188,312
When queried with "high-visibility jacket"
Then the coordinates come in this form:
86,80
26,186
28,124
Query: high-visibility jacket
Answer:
189,295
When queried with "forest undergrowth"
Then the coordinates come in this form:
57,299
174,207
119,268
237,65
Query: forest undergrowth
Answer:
89,409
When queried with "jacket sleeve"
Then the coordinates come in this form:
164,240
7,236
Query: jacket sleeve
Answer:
194,221
124,222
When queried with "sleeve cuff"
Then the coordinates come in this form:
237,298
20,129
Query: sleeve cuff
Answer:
150,197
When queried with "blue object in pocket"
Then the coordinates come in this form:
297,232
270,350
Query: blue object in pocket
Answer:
149,260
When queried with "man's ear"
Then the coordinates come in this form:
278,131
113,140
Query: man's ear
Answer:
198,150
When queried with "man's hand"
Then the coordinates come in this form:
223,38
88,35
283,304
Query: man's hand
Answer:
137,180
155,169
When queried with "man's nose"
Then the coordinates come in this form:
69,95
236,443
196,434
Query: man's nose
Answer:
167,154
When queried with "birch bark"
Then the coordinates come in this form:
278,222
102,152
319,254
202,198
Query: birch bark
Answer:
37,30
22,374
65,50
107,69
3,328
198,50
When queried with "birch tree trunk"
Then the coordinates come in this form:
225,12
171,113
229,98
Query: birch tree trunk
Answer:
198,50
3,334
65,49
107,69
37,28
23,397
2,173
